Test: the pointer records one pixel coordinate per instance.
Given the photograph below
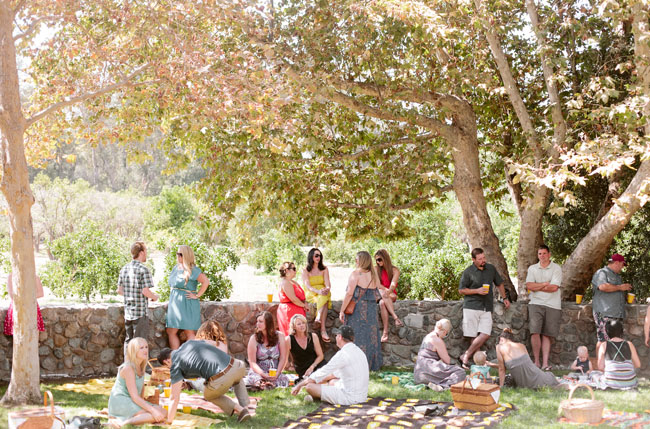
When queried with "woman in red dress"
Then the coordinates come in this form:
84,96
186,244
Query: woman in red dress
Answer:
388,276
9,319
292,297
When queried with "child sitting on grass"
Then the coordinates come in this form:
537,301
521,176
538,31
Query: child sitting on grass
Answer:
481,365
582,364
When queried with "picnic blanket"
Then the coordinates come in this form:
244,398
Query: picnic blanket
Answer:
196,401
399,413
619,419
405,379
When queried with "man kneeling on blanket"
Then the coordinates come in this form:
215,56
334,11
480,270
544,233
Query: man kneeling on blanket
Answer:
196,358
346,374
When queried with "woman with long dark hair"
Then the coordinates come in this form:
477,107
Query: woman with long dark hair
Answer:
388,276
267,355
618,359
316,278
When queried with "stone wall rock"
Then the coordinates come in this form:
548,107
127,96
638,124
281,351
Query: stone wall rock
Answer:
87,340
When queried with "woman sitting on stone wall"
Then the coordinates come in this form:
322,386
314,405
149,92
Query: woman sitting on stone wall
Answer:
433,364
126,405
514,357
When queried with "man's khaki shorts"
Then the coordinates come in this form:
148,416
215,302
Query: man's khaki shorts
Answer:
476,321
544,320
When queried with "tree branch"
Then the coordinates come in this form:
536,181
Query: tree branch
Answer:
510,85
128,81
33,25
19,5
560,127
404,206
438,127
354,156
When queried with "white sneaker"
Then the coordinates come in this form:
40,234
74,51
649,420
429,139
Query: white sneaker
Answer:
308,398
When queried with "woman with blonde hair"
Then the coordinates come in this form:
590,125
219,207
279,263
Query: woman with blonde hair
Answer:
126,405
304,347
184,309
433,366
212,332
388,276
362,288
292,297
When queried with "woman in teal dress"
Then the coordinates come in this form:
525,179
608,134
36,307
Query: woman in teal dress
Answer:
126,404
184,310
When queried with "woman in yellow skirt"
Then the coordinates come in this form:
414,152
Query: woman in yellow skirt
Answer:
316,279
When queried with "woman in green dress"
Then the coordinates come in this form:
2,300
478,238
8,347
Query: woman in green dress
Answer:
184,309
126,404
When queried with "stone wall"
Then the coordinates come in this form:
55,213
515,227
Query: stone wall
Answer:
86,340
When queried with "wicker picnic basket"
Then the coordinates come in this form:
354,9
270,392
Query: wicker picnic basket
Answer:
482,398
158,374
582,410
45,417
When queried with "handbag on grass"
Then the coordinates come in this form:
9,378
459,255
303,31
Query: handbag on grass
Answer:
350,307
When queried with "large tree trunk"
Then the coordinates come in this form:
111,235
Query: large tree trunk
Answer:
589,254
530,233
469,192
25,371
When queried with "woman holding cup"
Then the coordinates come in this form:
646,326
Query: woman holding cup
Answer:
267,355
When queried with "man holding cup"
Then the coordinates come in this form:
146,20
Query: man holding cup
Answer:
545,307
610,294
477,286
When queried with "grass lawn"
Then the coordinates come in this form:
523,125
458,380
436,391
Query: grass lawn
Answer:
535,408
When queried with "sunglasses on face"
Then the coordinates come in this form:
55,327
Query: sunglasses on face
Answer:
317,255
179,254
378,260
291,268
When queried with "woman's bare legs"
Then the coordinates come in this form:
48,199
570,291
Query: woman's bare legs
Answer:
174,341
322,316
386,306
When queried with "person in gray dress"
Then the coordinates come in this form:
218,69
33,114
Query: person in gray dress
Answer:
433,364
513,356
363,287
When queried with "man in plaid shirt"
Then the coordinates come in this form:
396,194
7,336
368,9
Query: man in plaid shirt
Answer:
135,284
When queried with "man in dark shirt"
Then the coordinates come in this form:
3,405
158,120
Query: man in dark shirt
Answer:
196,358
477,286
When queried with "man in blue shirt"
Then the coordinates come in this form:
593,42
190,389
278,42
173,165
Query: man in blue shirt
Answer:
477,286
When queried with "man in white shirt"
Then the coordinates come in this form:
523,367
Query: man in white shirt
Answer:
348,369
543,281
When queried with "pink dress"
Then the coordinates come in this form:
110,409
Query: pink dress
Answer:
9,319
287,309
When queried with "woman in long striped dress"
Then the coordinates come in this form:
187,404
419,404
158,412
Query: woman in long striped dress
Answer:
618,359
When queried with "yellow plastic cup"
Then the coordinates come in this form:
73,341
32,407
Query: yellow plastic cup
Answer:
578,299
168,391
273,372
167,383
187,409
486,287
630,298
269,297
395,379
166,407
